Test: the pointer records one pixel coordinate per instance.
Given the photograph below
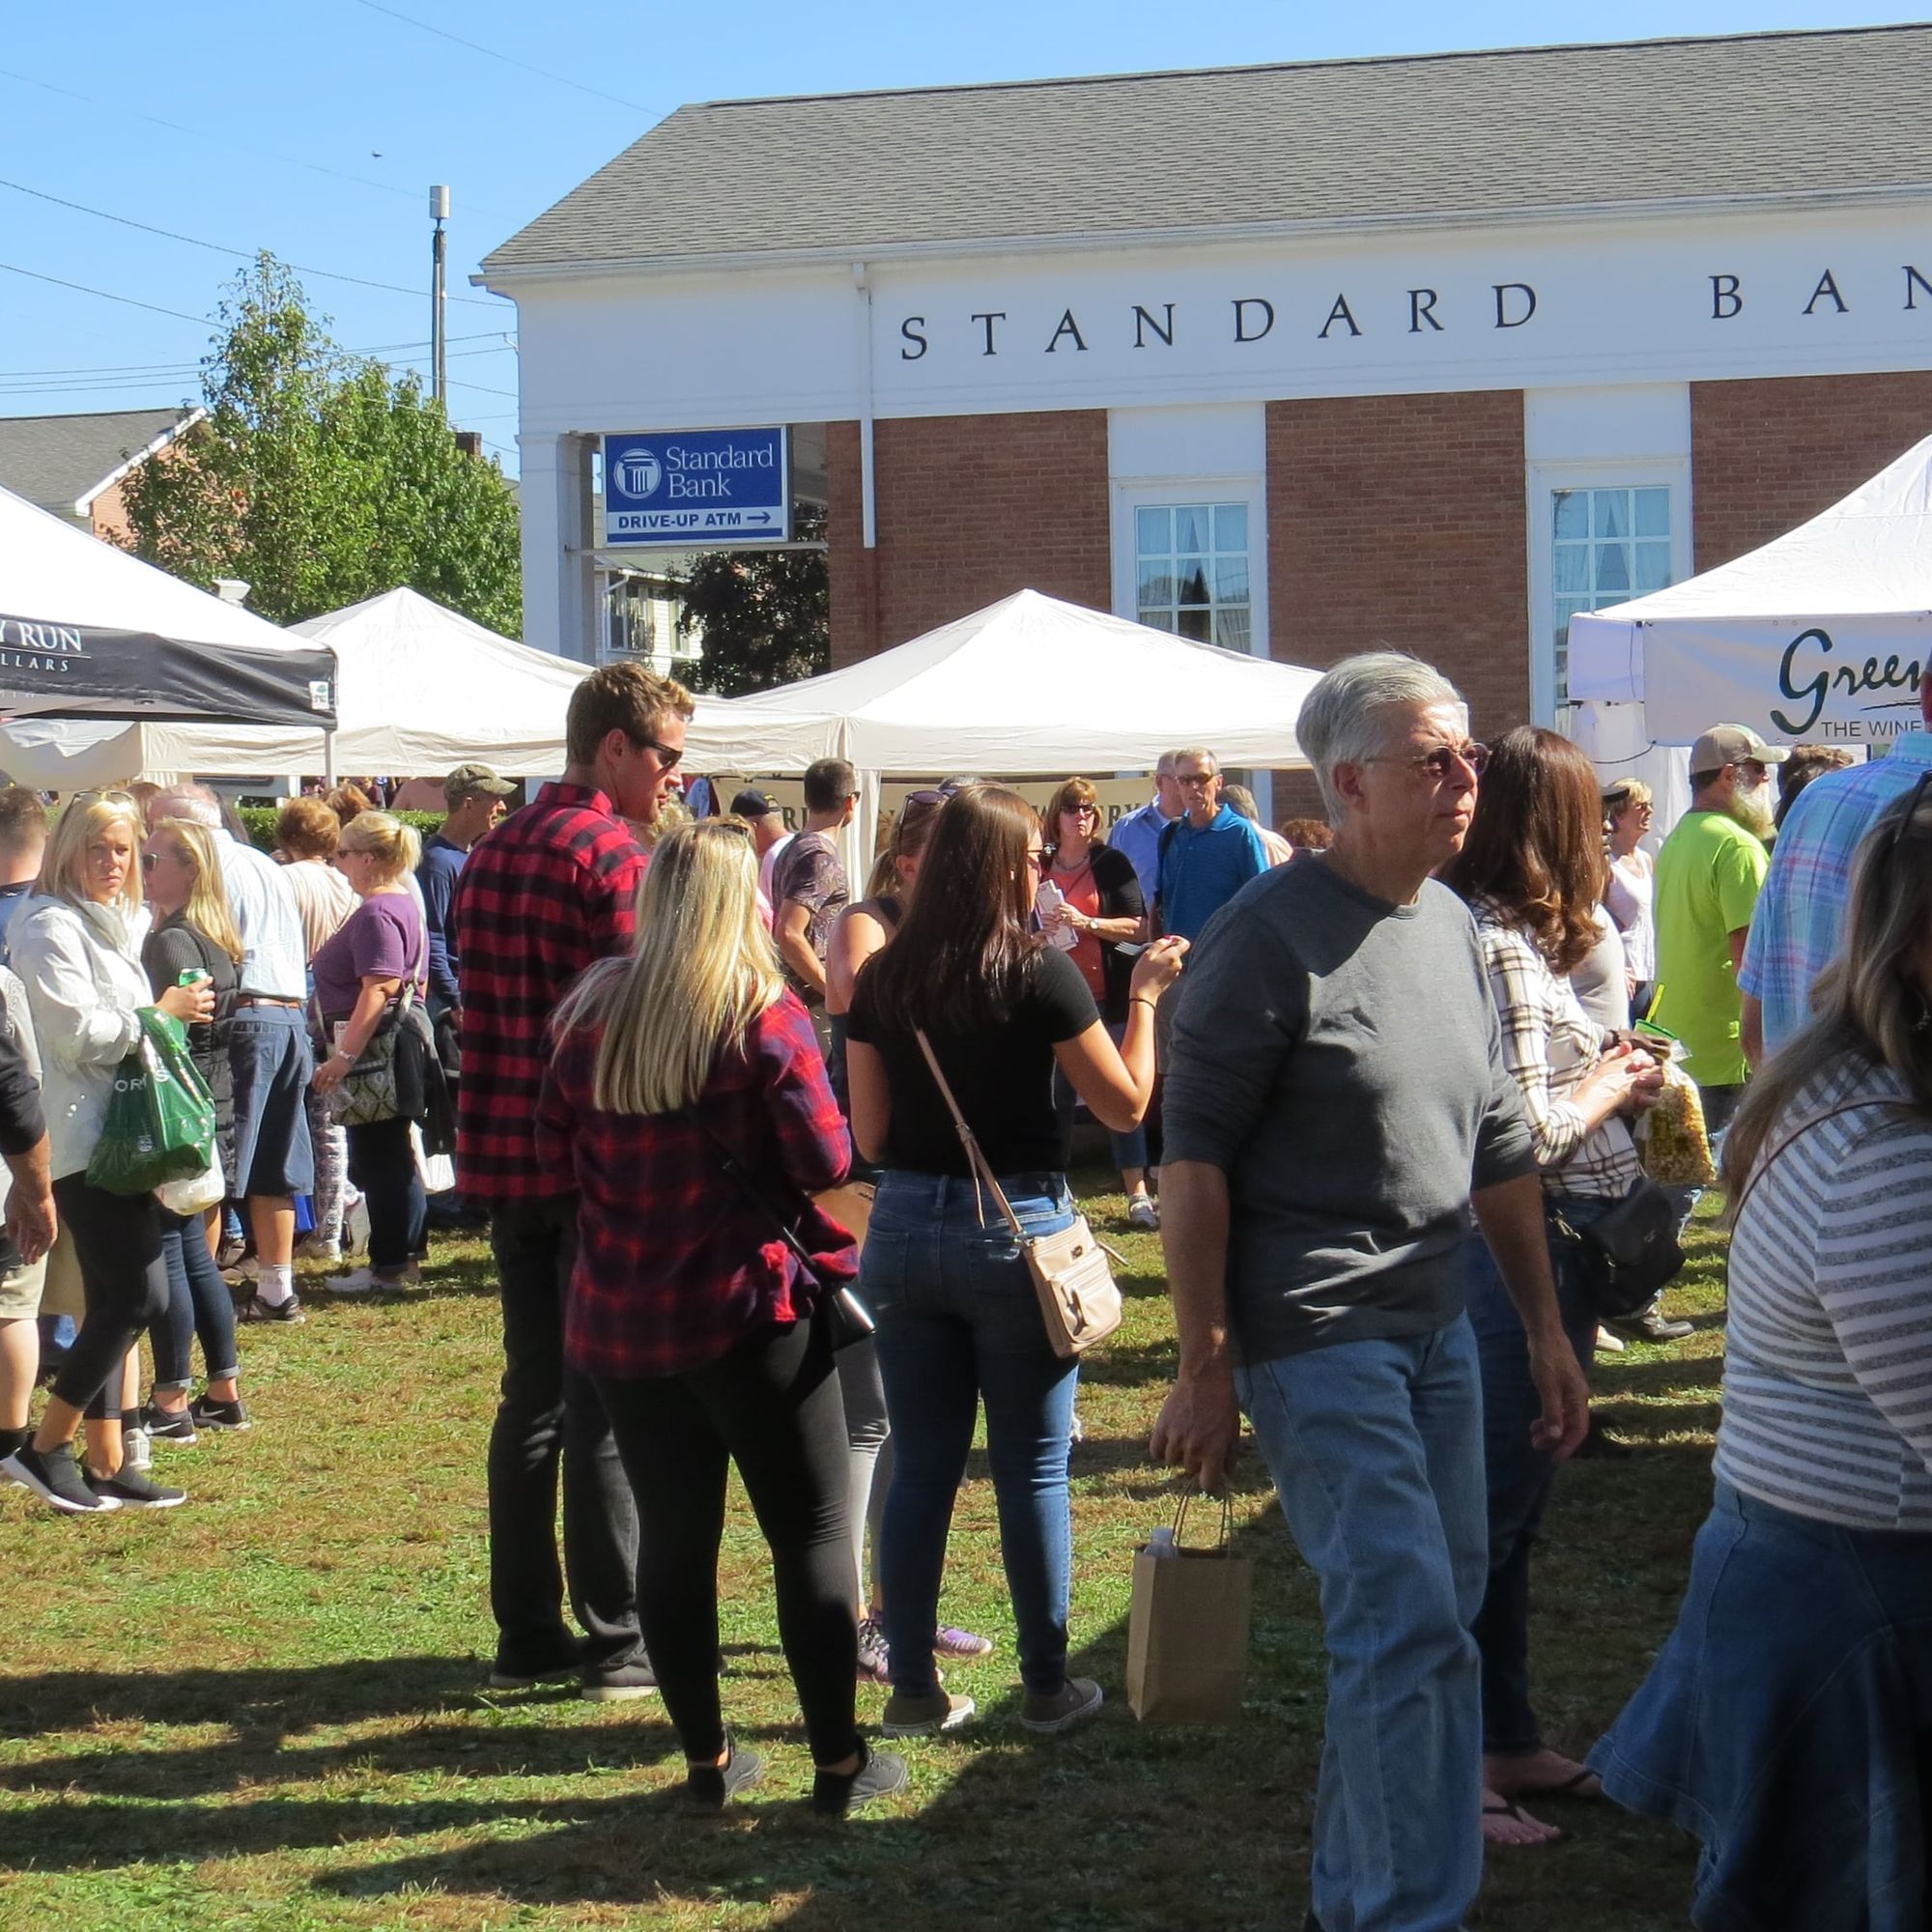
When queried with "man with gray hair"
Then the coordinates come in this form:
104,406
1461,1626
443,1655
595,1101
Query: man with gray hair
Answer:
1336,1104
268,1049
1138,834
1208,854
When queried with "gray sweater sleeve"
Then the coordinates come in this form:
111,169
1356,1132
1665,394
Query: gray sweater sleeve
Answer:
1242,1010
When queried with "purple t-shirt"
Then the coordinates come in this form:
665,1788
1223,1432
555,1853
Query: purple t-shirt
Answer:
383,936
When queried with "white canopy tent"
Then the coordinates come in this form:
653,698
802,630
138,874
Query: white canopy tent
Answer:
1818,636
422,690
92,635
1028,685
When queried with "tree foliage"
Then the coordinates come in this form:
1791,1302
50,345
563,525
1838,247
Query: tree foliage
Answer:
765,616
319,479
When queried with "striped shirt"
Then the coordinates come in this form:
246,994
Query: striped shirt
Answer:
1827,1366
1549,1046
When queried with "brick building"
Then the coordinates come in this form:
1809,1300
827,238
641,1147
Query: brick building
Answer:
1432,351
74,466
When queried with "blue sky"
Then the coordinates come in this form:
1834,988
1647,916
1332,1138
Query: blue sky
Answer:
316,128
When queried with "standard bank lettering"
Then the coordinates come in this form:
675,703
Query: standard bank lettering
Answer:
695,474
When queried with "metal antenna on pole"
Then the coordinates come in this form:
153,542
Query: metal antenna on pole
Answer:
438,207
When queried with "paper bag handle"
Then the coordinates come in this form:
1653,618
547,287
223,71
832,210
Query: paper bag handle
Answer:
1187,1502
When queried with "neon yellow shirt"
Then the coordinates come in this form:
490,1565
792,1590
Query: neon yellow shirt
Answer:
1709,875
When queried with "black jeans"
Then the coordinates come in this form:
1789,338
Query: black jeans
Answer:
549,1412
382,1164
198,1304
117,1240
773,1406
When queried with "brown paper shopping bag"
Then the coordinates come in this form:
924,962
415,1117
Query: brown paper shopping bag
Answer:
1187,1633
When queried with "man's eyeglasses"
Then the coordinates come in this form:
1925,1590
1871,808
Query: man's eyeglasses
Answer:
667,754
1440,764
1189,779
148,861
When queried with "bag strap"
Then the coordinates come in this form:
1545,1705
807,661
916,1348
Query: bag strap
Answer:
1186,1502
1803,1127
750,1189
983,1168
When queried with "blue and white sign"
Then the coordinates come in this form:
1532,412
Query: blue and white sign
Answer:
697,489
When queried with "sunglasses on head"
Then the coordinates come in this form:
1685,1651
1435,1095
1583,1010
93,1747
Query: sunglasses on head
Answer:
1903,823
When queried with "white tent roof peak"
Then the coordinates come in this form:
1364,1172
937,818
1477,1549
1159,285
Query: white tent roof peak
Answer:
1782,637
989,693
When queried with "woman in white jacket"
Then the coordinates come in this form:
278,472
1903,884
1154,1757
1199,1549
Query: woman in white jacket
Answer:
76,946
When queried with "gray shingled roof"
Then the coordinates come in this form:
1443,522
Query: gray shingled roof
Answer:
57,461
1528,128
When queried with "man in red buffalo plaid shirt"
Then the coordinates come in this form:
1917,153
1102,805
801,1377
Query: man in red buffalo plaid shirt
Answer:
549,892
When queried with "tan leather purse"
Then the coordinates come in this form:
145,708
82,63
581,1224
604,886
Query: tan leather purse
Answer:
1078,1301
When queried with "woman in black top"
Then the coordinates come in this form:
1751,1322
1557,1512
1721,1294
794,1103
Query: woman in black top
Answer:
195,932
959,1320
1100,909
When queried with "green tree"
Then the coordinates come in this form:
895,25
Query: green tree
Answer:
765,616
319,479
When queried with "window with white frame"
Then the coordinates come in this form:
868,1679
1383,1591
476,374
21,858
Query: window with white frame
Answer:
1607,545
1191,571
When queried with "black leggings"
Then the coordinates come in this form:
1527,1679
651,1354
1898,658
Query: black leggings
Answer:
117,1239
772,1406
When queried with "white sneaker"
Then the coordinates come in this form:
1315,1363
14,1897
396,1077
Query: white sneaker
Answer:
137,1449
358,1281
1609,1344
311,1248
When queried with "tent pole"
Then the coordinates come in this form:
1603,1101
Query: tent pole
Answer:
329,758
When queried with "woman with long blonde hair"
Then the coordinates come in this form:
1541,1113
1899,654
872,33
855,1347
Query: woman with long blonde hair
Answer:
1785,1721
194,933
75,945
685,1105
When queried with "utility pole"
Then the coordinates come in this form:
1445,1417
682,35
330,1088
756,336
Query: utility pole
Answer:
438,207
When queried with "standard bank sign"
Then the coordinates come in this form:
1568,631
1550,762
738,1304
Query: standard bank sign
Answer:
698,489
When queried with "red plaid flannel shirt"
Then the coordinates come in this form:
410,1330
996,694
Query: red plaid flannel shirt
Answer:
676,1266
551,890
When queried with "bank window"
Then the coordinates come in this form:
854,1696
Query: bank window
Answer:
1191,571
1606,547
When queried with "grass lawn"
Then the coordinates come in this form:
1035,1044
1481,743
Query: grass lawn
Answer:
264,1710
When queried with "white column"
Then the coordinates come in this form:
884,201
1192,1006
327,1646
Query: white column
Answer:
561,604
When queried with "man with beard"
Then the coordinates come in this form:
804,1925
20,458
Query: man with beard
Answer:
1709,874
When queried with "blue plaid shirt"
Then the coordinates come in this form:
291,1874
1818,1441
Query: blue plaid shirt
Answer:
1799,919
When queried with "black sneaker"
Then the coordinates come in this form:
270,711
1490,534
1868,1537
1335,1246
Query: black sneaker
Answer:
707,1787
52,1477
169,1425
620,1682
513,1673
250,1307
1652,1325
129,1489
880,1775
207,1413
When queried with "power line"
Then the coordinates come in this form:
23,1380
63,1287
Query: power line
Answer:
127,302
164,369
215,247
508,60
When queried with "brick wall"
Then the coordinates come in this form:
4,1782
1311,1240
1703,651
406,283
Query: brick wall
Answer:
1767,455
970,509
1399,521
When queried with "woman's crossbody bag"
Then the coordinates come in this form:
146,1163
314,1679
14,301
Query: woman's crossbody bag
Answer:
1078,1301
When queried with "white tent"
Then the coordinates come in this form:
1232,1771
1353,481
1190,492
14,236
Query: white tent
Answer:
1819,635
422,690
1026,686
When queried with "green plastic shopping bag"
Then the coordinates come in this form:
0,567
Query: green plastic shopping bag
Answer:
160,1121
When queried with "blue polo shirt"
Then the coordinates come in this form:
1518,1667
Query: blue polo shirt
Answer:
1201,870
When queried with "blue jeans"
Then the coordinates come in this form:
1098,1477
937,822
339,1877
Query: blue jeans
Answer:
1519,1475
269,1053
958,1323
198,1304
382,1164
1377,1452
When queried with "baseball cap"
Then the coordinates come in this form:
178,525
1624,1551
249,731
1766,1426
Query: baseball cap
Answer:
751,802
1732,745
466,779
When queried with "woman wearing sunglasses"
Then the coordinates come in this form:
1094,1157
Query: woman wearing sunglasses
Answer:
959,1319
1096,902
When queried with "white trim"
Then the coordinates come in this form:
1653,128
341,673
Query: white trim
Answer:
1083,241
1609,472
83,506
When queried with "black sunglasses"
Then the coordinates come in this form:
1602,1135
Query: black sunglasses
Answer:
667,754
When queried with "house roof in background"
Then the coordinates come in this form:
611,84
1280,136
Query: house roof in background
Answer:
63,463
1746,116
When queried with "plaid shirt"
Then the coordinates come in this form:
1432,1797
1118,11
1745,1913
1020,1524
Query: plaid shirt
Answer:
1549,1046
1800,919
551,890
675,1265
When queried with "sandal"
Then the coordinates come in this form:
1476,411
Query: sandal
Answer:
1508,1807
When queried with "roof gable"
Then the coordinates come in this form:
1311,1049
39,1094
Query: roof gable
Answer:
1537,128
62,463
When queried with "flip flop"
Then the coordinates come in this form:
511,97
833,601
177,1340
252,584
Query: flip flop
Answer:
1568,1787
1510,1809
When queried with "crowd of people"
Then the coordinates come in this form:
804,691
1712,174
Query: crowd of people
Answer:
1379,1080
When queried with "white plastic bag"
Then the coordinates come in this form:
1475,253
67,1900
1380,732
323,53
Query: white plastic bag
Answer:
198,1193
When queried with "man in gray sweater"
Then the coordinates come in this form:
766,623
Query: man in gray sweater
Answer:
1336,1103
